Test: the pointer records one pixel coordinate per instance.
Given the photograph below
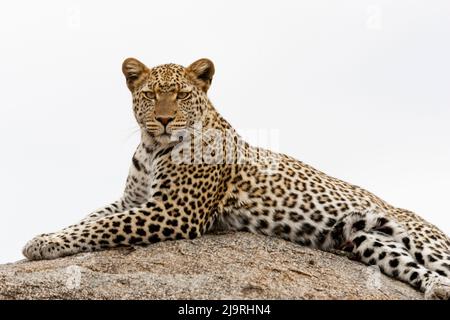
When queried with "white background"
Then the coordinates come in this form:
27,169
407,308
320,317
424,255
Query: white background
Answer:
359,89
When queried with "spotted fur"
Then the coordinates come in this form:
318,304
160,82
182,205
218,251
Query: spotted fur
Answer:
252,190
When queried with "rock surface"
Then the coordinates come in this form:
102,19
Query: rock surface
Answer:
217,266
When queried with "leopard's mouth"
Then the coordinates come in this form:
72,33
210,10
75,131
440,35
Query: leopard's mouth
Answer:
166,135
158,132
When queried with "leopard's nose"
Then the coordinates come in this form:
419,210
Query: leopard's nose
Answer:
164,120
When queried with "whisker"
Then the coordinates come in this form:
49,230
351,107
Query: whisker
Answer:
133,132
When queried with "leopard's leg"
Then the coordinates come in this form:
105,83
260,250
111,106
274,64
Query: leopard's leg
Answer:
433,258
394,260
426,246
429,245
378,240
113,208
149,224
118,206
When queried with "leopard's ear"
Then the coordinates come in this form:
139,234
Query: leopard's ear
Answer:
201,73
134,71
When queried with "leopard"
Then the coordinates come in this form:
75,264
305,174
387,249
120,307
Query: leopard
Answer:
193,173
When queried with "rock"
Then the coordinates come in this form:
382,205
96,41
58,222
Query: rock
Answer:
216,266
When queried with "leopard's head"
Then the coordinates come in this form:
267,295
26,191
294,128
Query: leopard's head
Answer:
168,97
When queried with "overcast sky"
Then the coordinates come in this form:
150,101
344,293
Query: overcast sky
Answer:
356,88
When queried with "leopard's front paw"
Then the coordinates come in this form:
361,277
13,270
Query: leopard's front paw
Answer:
45,246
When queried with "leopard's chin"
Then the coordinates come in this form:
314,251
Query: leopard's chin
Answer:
164,138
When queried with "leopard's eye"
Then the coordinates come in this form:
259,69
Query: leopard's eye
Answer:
183,95
149,95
